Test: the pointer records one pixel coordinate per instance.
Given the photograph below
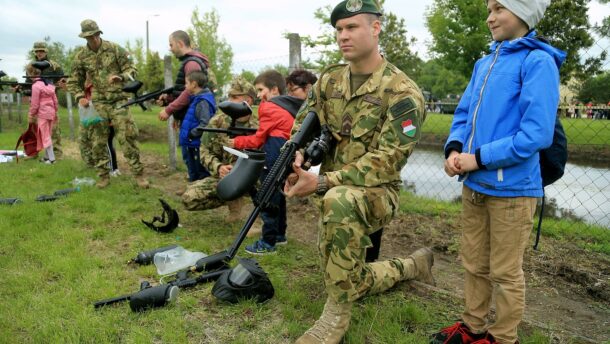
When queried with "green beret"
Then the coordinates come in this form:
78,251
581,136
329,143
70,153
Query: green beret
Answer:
350,8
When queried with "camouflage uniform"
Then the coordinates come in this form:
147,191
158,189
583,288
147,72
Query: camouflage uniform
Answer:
55,69
201,195
97,66
375,128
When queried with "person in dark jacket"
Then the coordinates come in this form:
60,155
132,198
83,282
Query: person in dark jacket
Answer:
276,116
201,108
505,117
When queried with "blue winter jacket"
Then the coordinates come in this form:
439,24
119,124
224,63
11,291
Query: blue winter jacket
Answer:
197,115
507,115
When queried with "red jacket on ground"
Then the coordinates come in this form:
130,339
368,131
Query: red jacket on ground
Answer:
274,121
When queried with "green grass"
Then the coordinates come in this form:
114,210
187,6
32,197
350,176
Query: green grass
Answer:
579,131
57,258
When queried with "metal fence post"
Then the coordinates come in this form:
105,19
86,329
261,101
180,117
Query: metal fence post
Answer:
19,98
171,134
70,115
294,48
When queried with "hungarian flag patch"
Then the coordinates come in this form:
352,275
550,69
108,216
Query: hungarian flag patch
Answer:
408,128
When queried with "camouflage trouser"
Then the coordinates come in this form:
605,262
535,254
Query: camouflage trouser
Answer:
85,144
126,133
56,139
349,214
201,195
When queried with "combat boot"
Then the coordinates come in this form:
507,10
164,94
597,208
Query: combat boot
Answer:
421,262
142,181
331,326
234,210
103,182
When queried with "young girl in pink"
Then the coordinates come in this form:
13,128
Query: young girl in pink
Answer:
43,111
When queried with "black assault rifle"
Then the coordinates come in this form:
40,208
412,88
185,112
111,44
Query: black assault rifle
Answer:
211,267
134,86
235,111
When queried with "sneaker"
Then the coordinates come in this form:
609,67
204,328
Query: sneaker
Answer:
457,333
281,240
260,247
49,162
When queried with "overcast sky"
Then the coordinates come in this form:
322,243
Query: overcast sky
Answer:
254,29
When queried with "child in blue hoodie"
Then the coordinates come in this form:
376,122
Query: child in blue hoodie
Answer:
505,117
201,108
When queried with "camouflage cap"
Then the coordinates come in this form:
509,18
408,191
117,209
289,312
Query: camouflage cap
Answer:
38,46
88,28
241,86
350,8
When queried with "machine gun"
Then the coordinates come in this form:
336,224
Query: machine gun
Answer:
235,111
147,96
44,65
213,266
133,87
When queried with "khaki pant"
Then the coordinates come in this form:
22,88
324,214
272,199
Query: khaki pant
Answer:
495,234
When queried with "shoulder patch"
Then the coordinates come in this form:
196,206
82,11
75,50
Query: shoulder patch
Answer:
403,107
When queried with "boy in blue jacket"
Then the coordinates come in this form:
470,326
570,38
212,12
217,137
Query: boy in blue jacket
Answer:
201,108
505,117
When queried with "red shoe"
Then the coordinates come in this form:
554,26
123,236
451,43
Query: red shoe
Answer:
458,333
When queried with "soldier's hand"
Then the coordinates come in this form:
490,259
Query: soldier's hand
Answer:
163,116
62,84
223,170
83,102
114,78
300,183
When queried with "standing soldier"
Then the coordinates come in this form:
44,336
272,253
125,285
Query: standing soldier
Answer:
40,54
99,71
375,113
201,195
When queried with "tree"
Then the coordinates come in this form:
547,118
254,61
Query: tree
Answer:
566,25
596,89
393,43
205,36
396,47
440,81
459,33
248,75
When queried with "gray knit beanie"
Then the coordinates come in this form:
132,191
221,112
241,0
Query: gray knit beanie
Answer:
530,11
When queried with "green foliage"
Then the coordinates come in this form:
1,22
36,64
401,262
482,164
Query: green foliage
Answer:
396,46
205,37
394,43
248,75
566,25
149,66
459,33
596,89
439,80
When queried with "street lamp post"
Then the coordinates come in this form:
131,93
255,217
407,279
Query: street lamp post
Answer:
147,46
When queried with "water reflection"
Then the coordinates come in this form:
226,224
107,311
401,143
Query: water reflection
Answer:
583,192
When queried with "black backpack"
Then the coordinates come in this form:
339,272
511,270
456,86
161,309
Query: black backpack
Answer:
552,165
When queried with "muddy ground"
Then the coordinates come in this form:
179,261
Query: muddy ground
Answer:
568,288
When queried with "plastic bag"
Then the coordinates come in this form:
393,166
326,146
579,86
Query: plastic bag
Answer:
83,181
176,259
88,115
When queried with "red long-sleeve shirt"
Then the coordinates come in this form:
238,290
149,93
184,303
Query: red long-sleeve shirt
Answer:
273,121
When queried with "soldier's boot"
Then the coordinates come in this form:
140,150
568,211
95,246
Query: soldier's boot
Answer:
142,181
103,181
234,210
418,266
331,326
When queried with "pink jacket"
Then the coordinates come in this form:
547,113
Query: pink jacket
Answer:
43,103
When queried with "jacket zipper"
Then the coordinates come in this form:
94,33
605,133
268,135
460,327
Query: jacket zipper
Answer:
476,110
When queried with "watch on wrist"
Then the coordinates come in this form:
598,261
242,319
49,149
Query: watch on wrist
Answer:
322,185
